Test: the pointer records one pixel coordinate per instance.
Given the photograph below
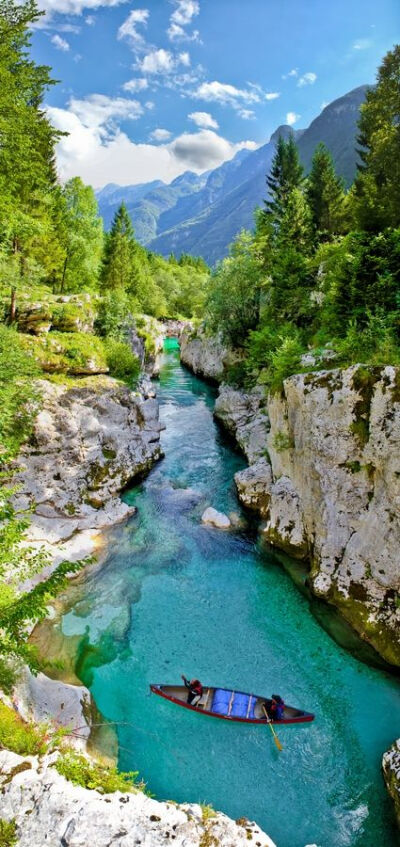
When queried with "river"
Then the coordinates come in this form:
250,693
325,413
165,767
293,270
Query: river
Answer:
175,597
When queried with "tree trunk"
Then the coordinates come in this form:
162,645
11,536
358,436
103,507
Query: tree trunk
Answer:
13,304
63,274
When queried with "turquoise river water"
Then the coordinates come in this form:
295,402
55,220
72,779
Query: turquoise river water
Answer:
175,597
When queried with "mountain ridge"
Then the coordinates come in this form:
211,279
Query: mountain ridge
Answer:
201,214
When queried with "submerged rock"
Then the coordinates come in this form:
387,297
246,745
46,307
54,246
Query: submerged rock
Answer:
213,518
48,809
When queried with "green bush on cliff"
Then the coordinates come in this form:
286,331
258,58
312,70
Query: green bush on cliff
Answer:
81,771
8,833
26,739
122,362
17,392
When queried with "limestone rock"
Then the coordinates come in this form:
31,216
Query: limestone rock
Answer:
205,356
41,699
254,486
213,518
391,773
245,417
88,443
49,810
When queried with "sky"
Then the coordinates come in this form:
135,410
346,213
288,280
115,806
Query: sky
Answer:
152,88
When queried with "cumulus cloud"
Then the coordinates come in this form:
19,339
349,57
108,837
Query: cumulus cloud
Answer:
60,43
292,118
74,7
205,149
182,17
272,95
162,62
227,94
203,120
136,84
307,79
97,111
160,135
129,27
100,153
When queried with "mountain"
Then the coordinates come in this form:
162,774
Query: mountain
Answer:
201,215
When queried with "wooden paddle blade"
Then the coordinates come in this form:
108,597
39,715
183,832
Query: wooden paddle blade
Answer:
278,743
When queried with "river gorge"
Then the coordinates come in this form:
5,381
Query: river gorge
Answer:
175,596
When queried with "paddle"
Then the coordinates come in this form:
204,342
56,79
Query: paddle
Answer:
276,739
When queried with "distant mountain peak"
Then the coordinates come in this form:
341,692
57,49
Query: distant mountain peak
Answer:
283,131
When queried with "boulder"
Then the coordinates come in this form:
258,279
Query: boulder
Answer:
213,518
391,773
245,417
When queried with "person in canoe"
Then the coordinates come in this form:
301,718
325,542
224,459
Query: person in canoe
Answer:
276,708
195,690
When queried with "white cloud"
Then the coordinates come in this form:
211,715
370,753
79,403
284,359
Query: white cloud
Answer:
293,72
246,114
60,43
226,94
160,135
203,120
362,44
162,62
149,105
137,84
90,20
177,33
128,28
272,95
99,154
292,118
97,111
73,7
185,11
307,79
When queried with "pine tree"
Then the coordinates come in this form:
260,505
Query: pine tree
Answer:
376,195
119,269
285,175
325,195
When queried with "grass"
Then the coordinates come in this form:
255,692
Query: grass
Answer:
81,771
8,836
26,739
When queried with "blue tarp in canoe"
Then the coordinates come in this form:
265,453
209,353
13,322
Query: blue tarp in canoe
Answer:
233,703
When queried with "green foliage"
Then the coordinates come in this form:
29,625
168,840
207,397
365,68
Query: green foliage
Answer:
285,361
89,774
26,739
122,362
18,395
286,175
282,442
233,303
68,352
325,195
376,196
114,312
8,833
81,235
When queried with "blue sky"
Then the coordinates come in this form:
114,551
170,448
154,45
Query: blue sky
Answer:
151,89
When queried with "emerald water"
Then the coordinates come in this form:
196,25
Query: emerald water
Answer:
177,597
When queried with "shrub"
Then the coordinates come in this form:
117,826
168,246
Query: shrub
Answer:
284,361
26,739
8,833
122,362
113,313
17,392
88,774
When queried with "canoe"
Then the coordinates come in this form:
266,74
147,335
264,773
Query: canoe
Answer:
229,705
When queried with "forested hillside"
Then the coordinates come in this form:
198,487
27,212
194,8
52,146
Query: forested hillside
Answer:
317,284
202,215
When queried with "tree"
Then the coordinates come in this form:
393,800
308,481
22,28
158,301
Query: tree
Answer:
376,196
81,234
325,195
27,141
285,175
233,304
119,267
